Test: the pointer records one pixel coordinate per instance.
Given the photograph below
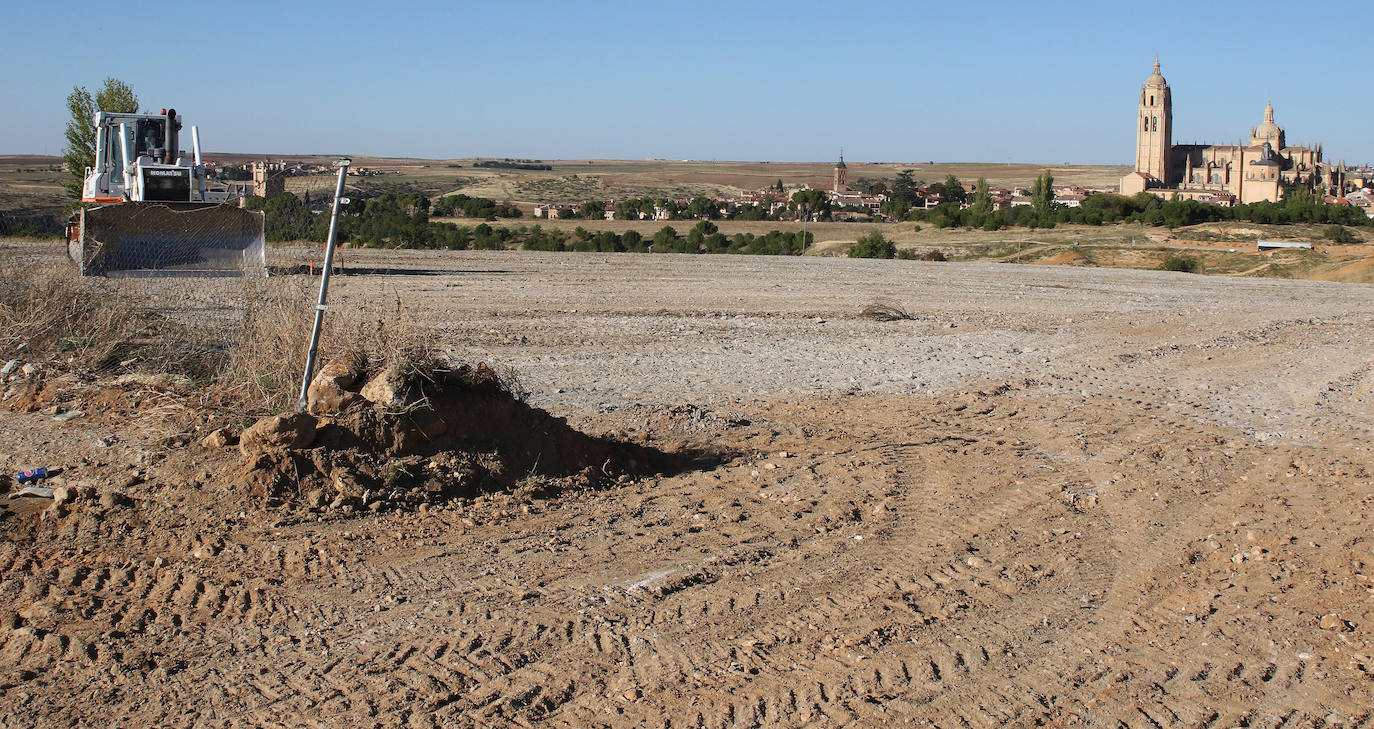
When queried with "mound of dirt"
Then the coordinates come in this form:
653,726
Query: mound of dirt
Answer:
407,434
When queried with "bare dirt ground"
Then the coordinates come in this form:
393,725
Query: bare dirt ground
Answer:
1054,497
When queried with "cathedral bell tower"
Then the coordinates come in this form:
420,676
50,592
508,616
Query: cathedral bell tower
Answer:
1153,127
840,185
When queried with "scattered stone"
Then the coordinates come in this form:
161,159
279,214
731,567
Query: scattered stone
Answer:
30,369
9,367
346,486
1333,622
63,494
220,438
315,499
66,415
290,431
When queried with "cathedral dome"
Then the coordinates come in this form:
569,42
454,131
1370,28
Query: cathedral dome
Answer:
1268,131
1156,78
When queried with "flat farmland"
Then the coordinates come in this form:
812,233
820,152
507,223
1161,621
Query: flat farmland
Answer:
1049,496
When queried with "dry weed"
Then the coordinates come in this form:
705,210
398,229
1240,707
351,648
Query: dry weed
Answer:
884,311
252,361
45,308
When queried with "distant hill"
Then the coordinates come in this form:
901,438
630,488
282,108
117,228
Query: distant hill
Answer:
17,161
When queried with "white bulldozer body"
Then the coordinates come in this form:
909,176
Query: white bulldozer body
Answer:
151,211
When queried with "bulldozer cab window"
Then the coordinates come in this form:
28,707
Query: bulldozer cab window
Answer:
148,137
115,153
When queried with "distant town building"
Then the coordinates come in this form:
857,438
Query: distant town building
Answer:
1219,173
841,185
265,183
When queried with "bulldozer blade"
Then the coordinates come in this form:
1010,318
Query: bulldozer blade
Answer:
168,239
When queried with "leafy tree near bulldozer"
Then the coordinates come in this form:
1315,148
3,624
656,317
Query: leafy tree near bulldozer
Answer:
113,96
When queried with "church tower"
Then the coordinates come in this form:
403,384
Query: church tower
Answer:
1153,127
840,187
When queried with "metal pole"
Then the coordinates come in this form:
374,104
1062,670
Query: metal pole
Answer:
320,307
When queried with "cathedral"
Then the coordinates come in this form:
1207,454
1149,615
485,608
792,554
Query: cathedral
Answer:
1222,174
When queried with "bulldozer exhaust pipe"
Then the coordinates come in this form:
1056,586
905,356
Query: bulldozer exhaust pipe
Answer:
169,155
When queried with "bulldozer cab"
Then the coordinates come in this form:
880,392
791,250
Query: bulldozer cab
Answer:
149,138
136,135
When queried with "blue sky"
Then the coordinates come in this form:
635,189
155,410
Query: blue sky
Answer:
1043,82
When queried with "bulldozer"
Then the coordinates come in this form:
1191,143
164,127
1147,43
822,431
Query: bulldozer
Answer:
148,209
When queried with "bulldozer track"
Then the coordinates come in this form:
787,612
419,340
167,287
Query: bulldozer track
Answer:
903,591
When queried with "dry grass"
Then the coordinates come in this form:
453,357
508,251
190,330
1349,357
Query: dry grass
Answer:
885,311
44,307
266,360
249,360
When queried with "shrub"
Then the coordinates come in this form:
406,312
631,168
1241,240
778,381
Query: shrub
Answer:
1339,234
911,254
873,245
1185,264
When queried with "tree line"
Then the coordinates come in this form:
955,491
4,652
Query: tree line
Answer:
1299,205
403,220
510,164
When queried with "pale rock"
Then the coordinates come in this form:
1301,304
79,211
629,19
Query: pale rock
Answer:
387,389
220,438
1333,622
346,486
289,431
329,390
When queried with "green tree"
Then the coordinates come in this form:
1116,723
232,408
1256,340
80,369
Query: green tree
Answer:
906,190
592,210
809,202
664,239
703,207
982,198
114,96
873,245
894,209
954,189
1042,193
